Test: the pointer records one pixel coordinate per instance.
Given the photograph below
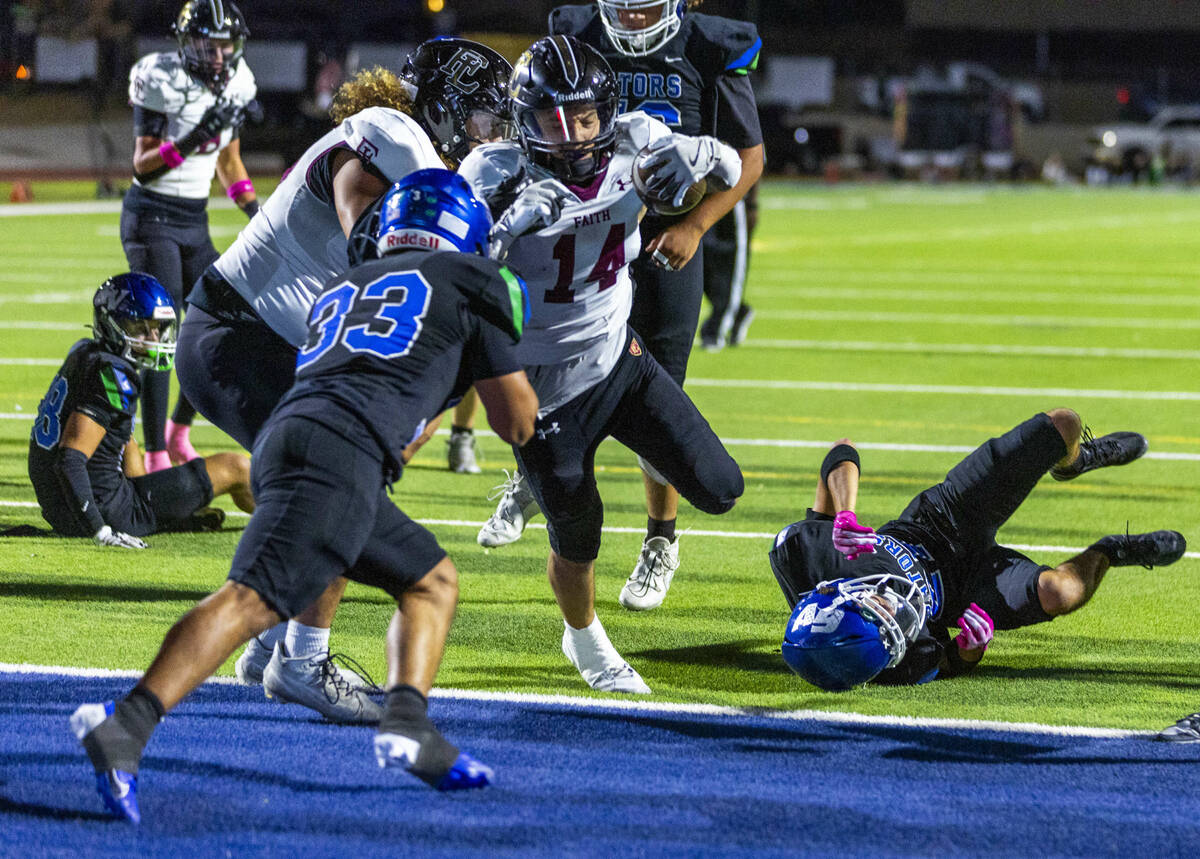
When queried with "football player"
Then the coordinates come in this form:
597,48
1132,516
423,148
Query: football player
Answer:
569,226
83,462
691,72
878,605
726,261
187,108
389,343
238,344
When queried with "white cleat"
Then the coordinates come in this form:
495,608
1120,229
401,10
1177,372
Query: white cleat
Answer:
603,668
252,663
647,585
315,682
517,506
462,454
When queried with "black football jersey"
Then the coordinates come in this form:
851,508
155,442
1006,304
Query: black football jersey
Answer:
696,83
396,341
101,386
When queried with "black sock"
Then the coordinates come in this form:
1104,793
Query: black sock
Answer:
660,528
455,428
118,741
405,713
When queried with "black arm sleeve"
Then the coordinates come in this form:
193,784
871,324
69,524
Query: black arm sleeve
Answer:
149,123
737,112
77,486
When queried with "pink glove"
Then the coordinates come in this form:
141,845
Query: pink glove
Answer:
977,629
850,538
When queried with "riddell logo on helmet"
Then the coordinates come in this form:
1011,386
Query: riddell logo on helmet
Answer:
411,239
585,95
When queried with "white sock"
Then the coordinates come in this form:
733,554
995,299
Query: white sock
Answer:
592,647
306,641
272,635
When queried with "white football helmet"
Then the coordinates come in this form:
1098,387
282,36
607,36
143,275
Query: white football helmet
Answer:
640,27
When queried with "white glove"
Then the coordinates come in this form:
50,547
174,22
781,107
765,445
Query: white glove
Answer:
538,205
677,162
106,536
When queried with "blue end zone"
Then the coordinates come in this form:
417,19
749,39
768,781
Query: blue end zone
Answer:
230,770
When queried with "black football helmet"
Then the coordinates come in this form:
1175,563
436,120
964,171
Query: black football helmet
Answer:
460,94
565,97
211,35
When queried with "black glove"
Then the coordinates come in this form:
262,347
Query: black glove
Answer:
224,114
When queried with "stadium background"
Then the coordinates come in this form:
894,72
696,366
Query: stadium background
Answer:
905,306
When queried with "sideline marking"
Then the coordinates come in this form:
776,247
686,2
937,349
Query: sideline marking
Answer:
571,702
620,529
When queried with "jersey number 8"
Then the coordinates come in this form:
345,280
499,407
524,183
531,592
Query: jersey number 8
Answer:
390,332
48,426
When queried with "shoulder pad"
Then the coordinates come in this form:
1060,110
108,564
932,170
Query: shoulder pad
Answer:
494,292
116,377
731,46
571,20
391,141
243,87
640,129
495,170
155,83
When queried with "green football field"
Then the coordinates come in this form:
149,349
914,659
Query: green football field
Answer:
918,321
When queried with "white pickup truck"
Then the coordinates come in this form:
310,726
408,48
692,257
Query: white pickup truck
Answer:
1173,131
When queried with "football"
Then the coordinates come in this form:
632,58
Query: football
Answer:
642,175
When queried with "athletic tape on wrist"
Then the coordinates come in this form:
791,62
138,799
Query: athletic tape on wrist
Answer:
170,155
238,188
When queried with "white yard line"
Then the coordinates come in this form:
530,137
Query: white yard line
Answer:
1048,322
954,390
976,349
571,702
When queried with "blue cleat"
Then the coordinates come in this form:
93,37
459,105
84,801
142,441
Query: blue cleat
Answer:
467,773
116,787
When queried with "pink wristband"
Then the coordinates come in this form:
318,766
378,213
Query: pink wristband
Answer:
170,155
238,188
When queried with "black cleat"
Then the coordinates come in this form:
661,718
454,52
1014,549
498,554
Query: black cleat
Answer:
1156,549
1186,730
1116,448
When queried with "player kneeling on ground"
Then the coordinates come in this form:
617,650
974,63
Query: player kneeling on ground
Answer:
878,605
84,464
391,343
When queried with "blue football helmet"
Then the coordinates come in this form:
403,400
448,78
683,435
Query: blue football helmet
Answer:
433,210
848,630
640,27
134,317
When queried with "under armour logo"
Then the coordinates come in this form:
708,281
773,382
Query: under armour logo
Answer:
622,184
553,430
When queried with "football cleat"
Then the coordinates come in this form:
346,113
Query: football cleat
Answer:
467,773
252,663
397,750
1116,448
117,788
517,505
1186,730
741,325
317,683
462,452
647,585
603,668
1156,549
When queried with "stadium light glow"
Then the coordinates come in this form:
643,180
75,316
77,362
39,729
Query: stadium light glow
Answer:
23,73
435,5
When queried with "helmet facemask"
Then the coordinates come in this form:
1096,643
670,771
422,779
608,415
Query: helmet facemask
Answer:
573,141
640,27
212,37
896,605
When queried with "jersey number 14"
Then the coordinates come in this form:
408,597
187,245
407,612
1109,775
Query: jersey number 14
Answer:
604,272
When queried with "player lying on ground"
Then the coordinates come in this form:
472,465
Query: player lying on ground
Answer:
878,605
248,315
571,232
83,462
390,343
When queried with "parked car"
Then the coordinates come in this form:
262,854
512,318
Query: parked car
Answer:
1128,147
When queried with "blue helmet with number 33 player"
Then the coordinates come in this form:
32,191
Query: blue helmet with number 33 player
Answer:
848,630
433,210
133,316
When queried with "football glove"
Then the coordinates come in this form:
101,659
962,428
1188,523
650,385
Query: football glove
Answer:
976,628
223,114
677,162
851,538
538,205
106,536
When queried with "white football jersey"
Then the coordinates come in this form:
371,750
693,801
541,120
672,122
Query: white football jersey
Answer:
283,257
159,82
577,269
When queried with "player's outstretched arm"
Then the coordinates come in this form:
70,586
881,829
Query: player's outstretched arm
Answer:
837,495
354,188
511,406
81,436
